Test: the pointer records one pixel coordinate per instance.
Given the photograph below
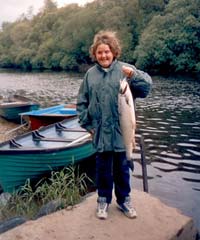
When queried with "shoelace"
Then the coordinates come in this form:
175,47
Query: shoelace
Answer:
128,205
102,205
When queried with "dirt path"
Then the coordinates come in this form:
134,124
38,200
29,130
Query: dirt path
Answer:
155,221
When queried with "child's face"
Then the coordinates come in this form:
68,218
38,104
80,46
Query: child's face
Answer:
103,55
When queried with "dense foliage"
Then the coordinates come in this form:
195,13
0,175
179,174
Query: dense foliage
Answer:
156,35
171,41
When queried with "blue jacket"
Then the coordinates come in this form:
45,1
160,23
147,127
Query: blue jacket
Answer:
97,103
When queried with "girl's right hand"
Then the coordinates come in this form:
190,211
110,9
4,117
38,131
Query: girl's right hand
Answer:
127,71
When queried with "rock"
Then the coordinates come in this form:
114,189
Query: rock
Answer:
4,198
50,207
11,223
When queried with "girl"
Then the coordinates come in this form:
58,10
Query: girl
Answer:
97,107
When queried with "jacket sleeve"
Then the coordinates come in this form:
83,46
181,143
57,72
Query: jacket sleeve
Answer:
140,84
82,106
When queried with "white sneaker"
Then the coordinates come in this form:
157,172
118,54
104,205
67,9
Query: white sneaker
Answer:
127,208
102,208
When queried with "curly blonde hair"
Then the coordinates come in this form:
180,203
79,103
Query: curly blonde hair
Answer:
106,37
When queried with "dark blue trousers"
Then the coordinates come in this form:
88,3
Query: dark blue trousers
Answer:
112,170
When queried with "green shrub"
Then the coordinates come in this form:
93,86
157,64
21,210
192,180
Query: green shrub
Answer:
66,185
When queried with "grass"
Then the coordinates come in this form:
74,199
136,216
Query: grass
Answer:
67,186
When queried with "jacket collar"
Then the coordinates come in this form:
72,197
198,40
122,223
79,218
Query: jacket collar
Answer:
106,69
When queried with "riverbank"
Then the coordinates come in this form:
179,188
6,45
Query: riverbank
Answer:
155,221
6,130
5,127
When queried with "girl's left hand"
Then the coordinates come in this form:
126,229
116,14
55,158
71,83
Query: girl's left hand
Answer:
127,71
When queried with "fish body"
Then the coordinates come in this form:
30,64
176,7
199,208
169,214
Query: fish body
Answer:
127,117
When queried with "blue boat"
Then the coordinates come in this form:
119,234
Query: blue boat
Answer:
46,116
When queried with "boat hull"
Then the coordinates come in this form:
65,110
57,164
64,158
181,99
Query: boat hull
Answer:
20,167
13,106
12,113
47,116
37,153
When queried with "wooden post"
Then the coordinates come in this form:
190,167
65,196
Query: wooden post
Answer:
144,167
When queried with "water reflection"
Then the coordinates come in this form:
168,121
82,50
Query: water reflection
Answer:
46,88
168,120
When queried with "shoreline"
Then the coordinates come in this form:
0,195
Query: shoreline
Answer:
6,128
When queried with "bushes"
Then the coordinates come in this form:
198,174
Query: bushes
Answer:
63,188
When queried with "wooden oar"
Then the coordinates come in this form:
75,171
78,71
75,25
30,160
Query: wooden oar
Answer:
79,139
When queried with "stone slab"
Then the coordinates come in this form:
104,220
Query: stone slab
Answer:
155,221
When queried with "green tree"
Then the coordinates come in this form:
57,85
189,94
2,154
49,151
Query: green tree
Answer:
171,41
157,35
49,5
23,59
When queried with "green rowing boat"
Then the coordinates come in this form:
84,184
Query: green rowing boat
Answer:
38,152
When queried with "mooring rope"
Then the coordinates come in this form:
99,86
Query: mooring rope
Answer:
17,128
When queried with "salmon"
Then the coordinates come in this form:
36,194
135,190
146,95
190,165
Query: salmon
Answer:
127,118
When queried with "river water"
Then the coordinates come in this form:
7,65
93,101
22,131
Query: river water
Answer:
168,119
